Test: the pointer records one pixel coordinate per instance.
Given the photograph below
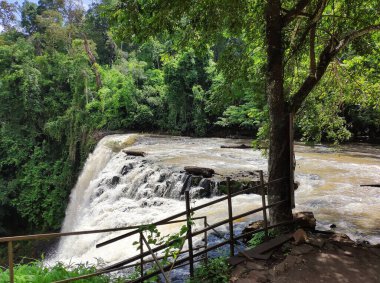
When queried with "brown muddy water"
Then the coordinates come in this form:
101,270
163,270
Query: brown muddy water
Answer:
329,178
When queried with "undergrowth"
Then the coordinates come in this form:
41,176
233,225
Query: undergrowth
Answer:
259,237
36,272
216,270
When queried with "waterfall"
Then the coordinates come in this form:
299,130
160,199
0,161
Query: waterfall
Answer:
118,190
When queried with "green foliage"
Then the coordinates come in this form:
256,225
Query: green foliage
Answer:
185,69
36,272
259,237
174,241
214,271
186,79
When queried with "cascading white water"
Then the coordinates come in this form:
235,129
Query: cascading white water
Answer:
116,190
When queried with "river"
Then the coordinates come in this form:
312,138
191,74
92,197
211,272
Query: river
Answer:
115,190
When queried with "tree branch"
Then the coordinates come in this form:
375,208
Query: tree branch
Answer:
326,56
355,34
297,10
313,22
313,66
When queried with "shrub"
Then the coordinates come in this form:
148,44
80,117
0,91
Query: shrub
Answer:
216,270
36,272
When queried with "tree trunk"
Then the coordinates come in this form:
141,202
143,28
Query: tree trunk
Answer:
279,148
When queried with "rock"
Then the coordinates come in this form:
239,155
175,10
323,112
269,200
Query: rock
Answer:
200,171
296,185
115,180
300,237
157,203
317,242
162,177
126,169
199,192
99,192
134,153
205,183
242,146
341,238
252,227
363,243
305,220
195,180
235,186
332,226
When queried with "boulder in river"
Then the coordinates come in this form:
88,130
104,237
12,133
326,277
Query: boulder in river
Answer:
199,192
134,153
126,169
200,171
241,146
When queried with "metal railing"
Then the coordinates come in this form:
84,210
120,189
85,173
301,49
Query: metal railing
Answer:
138,260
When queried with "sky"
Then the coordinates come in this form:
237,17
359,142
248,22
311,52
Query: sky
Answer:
86,3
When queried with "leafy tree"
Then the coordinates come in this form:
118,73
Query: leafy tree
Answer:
96,27
291,31
29,17
186,79
7,15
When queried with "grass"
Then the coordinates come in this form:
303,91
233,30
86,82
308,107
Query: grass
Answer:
36,272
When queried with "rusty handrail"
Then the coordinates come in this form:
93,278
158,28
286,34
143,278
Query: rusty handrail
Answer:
76,233
10,240
155,258
122,264
184,212
208,249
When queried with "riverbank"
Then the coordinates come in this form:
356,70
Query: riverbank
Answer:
318,257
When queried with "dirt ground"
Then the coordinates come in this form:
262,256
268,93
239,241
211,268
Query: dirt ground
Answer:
321,258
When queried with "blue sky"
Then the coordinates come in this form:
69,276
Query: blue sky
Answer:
86,3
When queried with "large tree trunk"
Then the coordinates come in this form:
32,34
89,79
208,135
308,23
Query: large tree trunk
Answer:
279,148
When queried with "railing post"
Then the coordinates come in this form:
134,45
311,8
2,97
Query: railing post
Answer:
189,233
167,280
206,241
264,204
230,221
141,254
10,262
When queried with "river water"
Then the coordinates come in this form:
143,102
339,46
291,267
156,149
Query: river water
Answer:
115,190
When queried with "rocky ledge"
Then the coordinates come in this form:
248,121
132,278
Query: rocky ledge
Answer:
313,256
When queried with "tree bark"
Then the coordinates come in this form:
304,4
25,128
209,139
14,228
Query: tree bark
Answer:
279,148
